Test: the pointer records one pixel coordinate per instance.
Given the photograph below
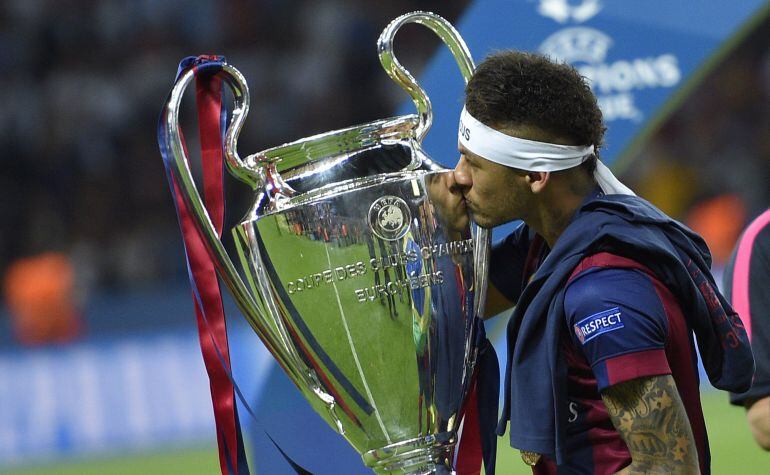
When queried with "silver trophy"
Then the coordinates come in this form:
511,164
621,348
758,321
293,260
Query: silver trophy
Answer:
351,272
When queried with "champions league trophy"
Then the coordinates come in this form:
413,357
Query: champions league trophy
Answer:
351,273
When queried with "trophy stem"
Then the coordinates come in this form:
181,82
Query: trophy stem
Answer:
431,455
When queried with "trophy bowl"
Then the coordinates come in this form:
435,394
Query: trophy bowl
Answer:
352,273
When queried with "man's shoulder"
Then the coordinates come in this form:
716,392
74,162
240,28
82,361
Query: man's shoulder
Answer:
607,276
750,259
606,260
759,232
626,224
605,280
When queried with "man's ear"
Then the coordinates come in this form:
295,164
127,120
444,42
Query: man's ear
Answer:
538,180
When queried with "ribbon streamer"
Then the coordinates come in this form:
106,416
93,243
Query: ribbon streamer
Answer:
212,328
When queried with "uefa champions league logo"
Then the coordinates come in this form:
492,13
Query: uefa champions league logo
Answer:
563,11
618,82
389,218
577,45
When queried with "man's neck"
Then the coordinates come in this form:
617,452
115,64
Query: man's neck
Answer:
555,213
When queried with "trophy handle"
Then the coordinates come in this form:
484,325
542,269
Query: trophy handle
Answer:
404,78
450,36
180,167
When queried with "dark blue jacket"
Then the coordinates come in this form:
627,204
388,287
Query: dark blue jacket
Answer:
536,375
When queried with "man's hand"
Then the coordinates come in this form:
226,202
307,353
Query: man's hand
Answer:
448,200
651,418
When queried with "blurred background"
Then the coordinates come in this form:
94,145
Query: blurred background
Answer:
100,368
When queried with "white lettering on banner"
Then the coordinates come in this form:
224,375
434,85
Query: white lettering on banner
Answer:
93,417
130,366
8,439
619,106
42,398
614,82
641,73
181,406
133,392
562,11
579,44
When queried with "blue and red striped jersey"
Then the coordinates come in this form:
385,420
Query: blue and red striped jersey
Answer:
623,324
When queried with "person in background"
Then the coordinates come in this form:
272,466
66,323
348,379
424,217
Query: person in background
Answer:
747,286
40,293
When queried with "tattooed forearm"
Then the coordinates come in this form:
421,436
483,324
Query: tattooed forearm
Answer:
652,420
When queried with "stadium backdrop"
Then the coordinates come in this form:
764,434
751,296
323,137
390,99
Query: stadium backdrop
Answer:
105,396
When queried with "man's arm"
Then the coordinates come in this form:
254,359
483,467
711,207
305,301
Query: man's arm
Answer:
652,421
758,415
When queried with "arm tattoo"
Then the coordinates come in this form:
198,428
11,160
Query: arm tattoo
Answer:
652,421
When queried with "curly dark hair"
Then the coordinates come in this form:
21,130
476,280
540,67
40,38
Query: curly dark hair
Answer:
513,88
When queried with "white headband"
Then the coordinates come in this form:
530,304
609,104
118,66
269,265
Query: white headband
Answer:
530,155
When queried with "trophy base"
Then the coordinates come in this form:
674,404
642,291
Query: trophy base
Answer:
431,455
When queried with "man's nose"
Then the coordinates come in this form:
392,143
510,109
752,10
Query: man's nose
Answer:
462,174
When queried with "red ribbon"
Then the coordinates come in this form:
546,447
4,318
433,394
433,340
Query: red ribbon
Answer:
470,452
212,328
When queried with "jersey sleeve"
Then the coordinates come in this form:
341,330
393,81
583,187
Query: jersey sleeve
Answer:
618,321
746,282
506,263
